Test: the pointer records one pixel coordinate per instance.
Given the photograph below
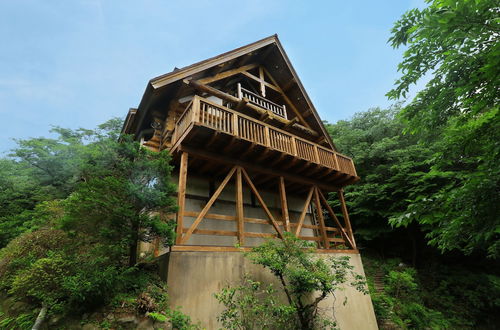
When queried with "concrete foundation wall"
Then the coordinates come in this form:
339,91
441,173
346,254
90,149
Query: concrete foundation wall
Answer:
194,277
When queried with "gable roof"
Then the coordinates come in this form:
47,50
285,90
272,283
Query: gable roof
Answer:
271,44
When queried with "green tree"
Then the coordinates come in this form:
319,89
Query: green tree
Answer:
123,192
40,170
456,44
392,167
306,281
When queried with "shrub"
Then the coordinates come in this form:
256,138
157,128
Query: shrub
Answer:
306,281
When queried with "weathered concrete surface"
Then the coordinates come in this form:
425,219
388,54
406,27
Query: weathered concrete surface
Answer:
194,277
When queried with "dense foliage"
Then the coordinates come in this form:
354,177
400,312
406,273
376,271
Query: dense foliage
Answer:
306,281
456,44
73,211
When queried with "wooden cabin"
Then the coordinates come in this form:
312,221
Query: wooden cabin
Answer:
252,157
253,160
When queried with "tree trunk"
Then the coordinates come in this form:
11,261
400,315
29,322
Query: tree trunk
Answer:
40,318
132,259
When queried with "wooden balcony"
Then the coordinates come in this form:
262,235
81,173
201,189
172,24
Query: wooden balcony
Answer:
224,121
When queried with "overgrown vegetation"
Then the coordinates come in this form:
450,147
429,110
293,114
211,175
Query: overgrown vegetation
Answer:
77,208
305,280
429,194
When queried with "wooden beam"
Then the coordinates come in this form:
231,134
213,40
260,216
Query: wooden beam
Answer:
319,209
228,147
211,248
208,206
284,204
216,157
332,214
278,160
181,196
212,139
227,74
262,203
212,232
304,212
345,214
290,104
239,207
249,149
262,81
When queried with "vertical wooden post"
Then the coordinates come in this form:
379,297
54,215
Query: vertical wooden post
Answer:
196,109
262,86
239,207
321,219
345,214
235,124
316,155
337,168
181,197
240,94
294,145
266,136
284,205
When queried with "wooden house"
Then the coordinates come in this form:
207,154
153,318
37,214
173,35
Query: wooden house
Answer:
242,128
253,160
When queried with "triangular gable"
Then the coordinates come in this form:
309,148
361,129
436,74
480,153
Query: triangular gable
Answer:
272,48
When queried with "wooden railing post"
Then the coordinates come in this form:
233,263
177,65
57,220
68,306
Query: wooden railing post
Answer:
266,136
336,162
316,155
235,124
240,94
294,145
284,112
196,109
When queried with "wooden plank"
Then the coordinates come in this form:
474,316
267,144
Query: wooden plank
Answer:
332,214
260,235
284,204
227,74
304,212
208,206
209,248
260,221
345,214
239,207
212,216
319,209
311,238
212,232
181,197
261,202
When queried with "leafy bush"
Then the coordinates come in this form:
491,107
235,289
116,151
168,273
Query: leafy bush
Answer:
253,306
306,281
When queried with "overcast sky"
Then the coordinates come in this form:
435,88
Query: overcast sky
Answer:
79,63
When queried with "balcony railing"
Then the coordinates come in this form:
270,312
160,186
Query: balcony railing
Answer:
207,113
279,110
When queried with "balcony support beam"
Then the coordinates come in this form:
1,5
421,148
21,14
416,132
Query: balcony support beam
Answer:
218,158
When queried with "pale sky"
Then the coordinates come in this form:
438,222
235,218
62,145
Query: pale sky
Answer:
79,63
